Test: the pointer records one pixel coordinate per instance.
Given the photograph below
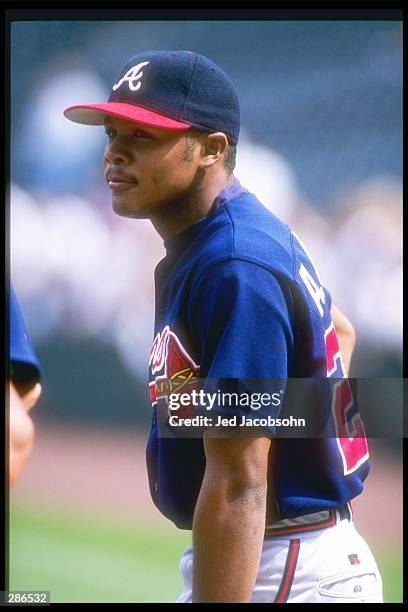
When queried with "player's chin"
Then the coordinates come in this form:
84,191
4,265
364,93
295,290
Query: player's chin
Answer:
125,207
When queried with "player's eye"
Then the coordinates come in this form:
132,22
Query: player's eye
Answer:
110,132
142,135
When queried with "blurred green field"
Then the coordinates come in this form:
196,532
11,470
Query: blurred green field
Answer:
82,559
79,559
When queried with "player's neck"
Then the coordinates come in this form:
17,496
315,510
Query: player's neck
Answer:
179,215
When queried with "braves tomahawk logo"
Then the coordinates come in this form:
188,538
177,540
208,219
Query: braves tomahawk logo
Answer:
132,76
176,371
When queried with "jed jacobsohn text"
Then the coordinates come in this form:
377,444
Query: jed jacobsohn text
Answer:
243,421
201,399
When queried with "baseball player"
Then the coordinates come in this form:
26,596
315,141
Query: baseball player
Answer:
24,390
237,296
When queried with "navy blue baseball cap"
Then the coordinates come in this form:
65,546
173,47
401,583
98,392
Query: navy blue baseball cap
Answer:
173,90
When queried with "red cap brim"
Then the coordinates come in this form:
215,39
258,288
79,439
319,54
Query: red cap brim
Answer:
94,114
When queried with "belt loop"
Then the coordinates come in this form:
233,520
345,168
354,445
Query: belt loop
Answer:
343,513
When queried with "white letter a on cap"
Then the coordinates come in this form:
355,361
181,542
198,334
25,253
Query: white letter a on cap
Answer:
132,76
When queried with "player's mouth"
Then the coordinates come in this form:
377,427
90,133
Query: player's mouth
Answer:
120,185
117,182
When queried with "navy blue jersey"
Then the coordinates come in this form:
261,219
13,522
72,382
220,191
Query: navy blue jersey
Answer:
237,296
24,364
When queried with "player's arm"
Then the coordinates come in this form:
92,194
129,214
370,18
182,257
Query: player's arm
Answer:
240,317
229,519
345,335
21,428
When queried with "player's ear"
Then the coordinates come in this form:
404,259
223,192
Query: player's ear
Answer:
215,146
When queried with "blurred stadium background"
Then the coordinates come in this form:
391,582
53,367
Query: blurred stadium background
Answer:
321,146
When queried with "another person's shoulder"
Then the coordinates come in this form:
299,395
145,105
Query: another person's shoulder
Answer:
23,359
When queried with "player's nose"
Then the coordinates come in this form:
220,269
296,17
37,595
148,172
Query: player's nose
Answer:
115,154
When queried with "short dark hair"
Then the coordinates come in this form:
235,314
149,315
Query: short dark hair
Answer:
195,133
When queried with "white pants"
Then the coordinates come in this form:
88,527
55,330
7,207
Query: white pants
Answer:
332,565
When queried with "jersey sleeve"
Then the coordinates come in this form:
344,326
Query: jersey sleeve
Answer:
329,299
24,364
241,317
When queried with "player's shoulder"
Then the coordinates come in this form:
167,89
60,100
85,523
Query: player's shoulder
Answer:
243,229
258,234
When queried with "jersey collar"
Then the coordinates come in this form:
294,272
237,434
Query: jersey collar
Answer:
177,244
